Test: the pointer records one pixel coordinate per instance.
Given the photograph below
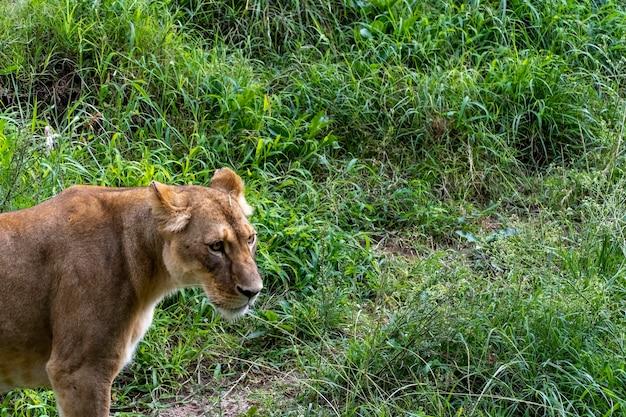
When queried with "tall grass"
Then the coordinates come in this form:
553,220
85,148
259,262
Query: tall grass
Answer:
437,185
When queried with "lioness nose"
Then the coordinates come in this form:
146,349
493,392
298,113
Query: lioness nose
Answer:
248,292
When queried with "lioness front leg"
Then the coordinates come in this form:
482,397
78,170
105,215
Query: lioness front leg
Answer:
82,392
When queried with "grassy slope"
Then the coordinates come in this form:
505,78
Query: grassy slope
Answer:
439,190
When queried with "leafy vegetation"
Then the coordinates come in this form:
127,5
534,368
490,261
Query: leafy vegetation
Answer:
439,191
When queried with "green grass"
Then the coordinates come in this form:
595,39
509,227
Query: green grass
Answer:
439,193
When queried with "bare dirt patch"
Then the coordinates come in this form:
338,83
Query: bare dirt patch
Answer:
396,245
185,410
250,392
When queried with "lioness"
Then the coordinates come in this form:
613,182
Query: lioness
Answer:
81,273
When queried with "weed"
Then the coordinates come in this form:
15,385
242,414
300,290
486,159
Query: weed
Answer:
438,191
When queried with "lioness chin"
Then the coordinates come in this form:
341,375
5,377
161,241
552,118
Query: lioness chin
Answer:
81,274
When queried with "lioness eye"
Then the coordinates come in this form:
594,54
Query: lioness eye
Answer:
251,240
217,246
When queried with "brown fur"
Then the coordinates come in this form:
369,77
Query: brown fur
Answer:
80,275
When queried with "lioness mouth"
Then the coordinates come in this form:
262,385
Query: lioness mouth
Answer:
233,313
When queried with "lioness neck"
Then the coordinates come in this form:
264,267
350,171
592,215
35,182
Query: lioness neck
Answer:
141,242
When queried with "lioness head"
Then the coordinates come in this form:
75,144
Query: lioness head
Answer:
208,240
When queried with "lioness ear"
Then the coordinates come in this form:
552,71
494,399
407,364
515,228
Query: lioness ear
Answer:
169,208
227,181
